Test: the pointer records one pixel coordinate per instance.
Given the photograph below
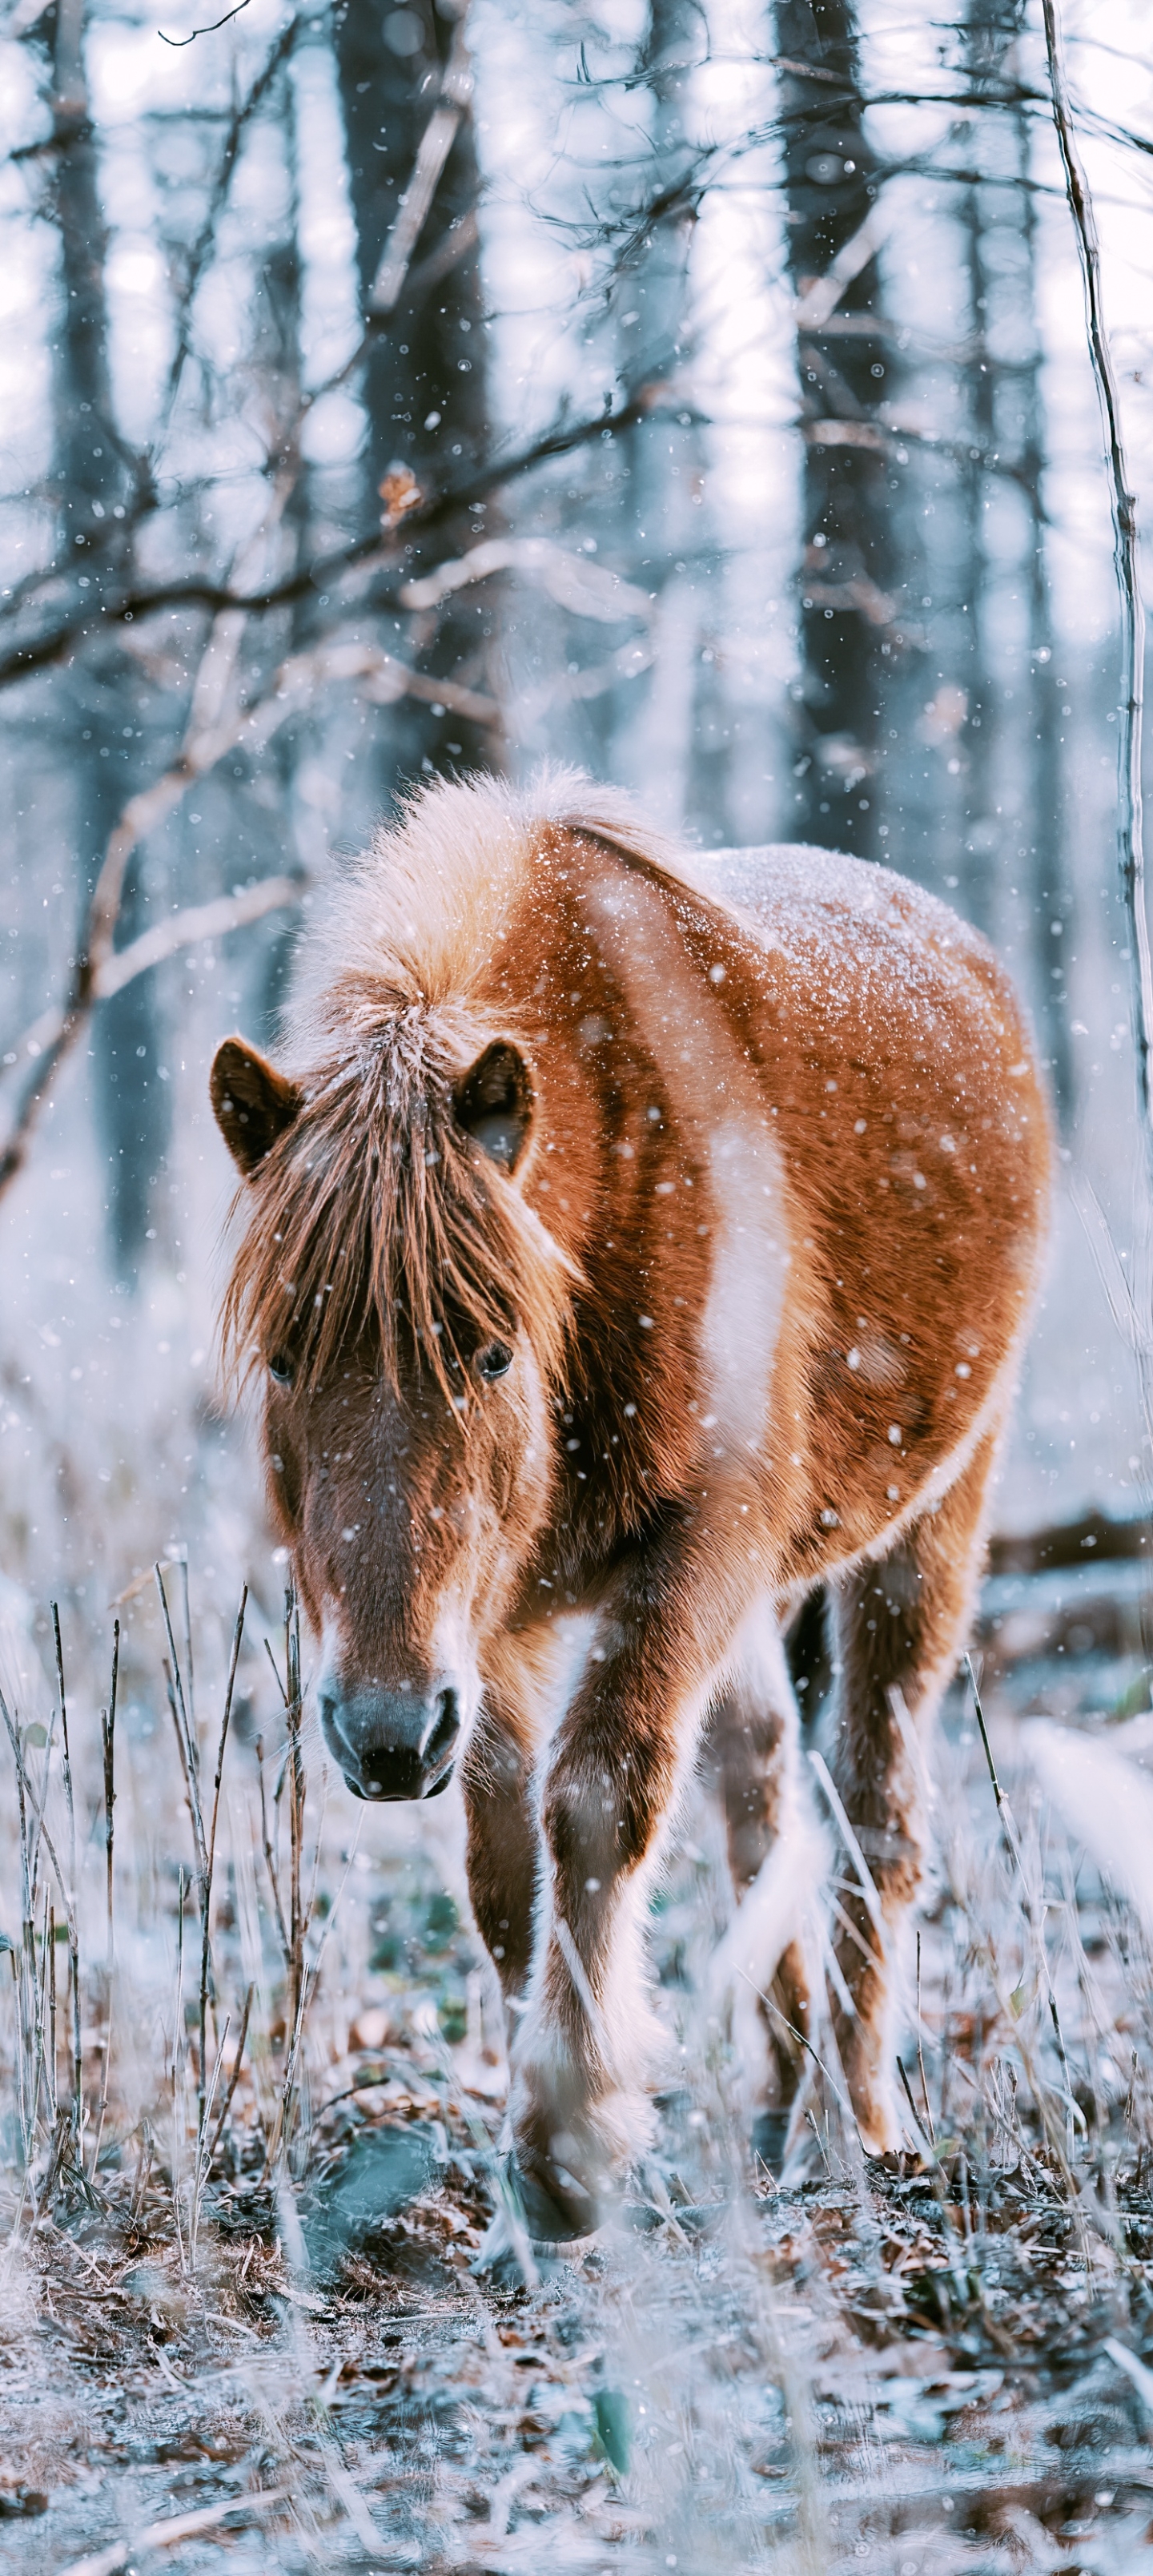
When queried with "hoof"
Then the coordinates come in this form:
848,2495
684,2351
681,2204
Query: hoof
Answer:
561,2217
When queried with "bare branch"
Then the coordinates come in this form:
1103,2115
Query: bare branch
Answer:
394,680
241,117
415,206
99,969
569,687
362,555
184,930
823,294
199,921
585,588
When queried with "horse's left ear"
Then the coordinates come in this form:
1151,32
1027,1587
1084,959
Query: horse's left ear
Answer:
253,1103
494,1102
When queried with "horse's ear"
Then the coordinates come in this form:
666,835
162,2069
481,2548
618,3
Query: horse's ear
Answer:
494,1102
252,1101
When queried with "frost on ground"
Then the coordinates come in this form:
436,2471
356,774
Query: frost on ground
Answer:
261,2331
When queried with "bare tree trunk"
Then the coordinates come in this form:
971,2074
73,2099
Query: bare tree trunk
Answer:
424,378
94,480
280,356
848,569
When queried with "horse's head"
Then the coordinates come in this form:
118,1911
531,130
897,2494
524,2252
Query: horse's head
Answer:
406,1312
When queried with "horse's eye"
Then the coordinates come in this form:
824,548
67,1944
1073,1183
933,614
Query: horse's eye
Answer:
280,1367
495,1360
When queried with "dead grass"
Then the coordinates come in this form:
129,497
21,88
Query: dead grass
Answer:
240,2291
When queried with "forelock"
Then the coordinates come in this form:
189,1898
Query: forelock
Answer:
374,1214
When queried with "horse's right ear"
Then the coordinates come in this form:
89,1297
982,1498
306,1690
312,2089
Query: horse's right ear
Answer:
252,1101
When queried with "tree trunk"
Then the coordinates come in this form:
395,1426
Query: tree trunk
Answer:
847,580
424,381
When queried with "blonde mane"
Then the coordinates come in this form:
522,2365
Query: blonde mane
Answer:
426,904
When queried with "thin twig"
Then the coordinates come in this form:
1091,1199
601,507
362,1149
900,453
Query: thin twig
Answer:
178,42
24,1963
189,1749
867,1883
202,249
1130,835
266,1845
799,2037
186,1607
301,1978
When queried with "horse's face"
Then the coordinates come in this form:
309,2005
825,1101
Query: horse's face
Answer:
408,1522
409,1497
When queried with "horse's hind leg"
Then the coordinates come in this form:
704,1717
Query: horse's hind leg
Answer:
754,1745
900,1623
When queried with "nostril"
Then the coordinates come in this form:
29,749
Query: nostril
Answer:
445,1732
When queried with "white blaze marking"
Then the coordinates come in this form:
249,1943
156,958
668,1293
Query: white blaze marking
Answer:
750,1262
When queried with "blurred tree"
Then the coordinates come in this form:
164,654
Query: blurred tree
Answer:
97,482
424,376
648,475
276,367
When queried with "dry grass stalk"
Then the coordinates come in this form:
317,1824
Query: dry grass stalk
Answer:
188,1747
293,1934
70,1897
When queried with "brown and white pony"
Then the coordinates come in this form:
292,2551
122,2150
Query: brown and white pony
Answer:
634,1240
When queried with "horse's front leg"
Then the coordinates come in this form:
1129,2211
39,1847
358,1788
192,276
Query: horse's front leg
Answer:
586,2038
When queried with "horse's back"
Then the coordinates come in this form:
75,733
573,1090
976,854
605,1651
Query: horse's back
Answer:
791,892
866,954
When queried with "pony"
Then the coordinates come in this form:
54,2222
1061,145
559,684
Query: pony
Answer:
633,1241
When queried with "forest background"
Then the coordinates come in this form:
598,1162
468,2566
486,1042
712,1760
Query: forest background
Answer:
697,394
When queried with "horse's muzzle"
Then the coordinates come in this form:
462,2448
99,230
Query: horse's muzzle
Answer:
392,1744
